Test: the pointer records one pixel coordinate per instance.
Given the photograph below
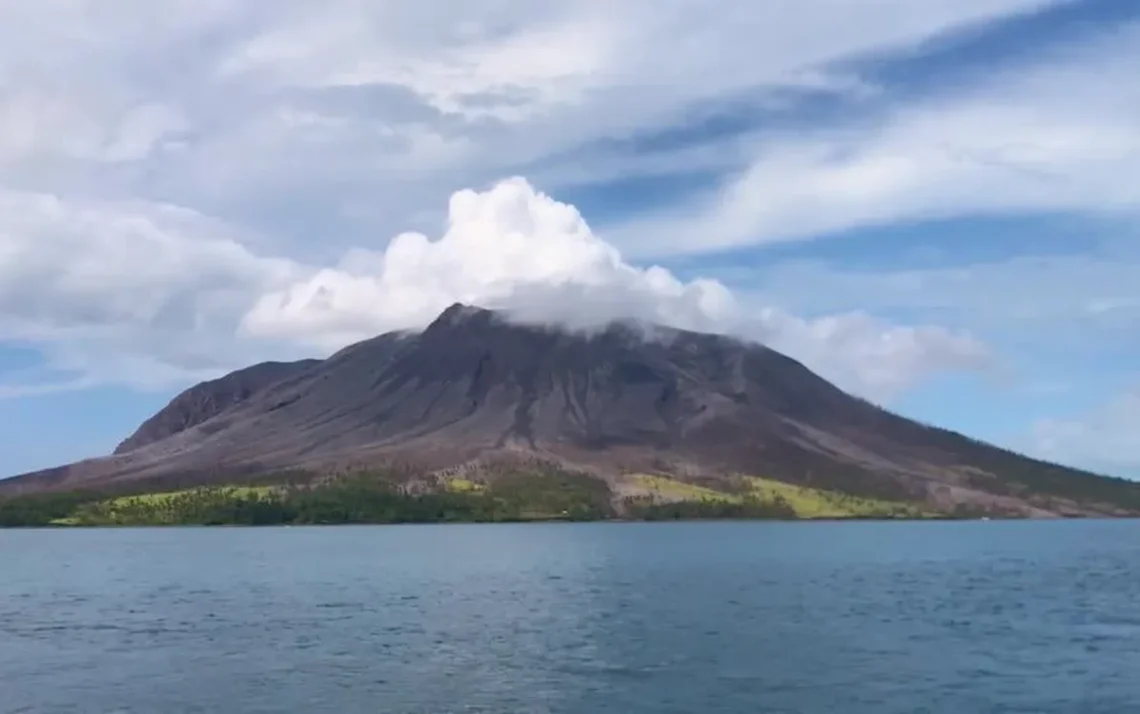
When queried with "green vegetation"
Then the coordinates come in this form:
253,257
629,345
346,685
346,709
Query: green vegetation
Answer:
816,503
663,488
206,506
536,493
1005,471
753,497
548,492
39,509
462,485
747,507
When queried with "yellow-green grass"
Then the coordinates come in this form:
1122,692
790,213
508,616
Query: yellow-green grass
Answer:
807,502
817,503
462,485
673,490
164,497
154,508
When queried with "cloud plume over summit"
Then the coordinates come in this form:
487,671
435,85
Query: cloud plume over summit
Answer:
514,248
185,297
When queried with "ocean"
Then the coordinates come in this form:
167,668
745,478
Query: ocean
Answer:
628,618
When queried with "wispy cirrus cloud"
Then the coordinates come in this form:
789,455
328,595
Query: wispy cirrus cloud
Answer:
1054,134
229,107
178,177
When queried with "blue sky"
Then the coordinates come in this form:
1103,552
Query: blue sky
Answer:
933,203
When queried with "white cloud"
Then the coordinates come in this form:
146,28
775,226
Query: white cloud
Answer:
1107,437
541,56
1089,300
514,248
141,293
869,356
1058,134
317,126
501,244
500,86
150,295
462,65
244,108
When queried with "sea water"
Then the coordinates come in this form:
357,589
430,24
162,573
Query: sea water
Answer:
694,618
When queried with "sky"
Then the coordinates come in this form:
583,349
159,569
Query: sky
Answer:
933,203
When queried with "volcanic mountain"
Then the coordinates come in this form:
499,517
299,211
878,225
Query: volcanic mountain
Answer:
475,389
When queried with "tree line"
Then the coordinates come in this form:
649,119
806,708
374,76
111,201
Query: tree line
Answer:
375,498
357,499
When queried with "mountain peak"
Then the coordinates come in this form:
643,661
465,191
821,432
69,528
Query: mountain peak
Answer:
461,313
479,388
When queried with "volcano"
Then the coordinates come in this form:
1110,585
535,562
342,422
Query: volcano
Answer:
475,389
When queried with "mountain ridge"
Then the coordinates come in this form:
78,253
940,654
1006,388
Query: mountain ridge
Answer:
475,388
205,400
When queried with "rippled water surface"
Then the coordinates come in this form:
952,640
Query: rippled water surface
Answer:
624,618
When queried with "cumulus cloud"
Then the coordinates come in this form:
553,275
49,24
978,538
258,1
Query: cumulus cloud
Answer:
509,247
514,248
152,295
140,293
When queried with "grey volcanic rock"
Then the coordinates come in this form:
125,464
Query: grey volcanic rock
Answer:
474,388
204,401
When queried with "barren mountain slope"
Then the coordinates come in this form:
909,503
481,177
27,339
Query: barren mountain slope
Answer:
208,399
475,388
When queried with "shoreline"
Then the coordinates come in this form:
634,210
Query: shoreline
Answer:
566,521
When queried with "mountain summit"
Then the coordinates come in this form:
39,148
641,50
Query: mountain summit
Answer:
475,388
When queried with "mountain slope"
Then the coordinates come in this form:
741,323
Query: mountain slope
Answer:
204,401
474,389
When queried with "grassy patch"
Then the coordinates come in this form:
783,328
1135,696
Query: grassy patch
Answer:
462,485
164,498
167,507
669,489
804,501
816,503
